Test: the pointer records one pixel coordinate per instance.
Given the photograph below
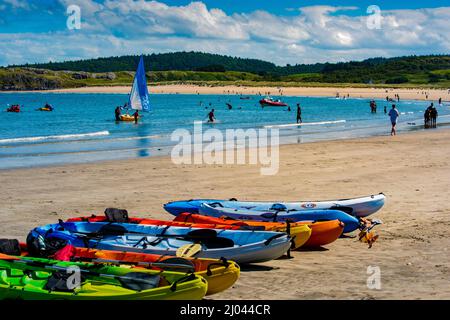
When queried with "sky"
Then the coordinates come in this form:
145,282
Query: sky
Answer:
280,31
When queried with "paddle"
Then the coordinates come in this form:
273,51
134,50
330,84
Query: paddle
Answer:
166,266
189,250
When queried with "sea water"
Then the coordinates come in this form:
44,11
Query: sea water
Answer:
82,126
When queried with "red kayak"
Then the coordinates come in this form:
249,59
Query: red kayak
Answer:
272,103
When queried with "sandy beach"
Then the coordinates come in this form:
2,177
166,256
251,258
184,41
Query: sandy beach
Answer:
413,170
380,93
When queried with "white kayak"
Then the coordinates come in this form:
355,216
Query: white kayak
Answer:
358,207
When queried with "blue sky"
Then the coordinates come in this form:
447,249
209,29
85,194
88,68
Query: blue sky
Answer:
281,31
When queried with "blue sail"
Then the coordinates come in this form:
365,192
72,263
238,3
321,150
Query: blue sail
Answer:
139,92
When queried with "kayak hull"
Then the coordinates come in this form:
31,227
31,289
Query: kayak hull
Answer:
245,247
19,280
359,207
300,233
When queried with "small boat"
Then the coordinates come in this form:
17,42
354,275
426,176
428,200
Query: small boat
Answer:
358,207
29,278
269,102
244,98
13,108
138,98
236,245
215,210
299,232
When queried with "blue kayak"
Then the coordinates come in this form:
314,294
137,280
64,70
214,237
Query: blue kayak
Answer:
237,245
217,210
358,207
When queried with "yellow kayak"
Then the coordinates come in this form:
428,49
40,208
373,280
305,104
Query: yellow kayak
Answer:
38,279
126,117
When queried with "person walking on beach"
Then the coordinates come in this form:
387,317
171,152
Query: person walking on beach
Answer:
136,116
393,114
117,113
299,113
426,118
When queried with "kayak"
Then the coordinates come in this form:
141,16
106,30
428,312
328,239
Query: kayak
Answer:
322,233
300,233
126,117
219,274
236,245
358,207
272,103
44,279
215,210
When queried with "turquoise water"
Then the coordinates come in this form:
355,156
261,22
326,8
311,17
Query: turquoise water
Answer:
82,127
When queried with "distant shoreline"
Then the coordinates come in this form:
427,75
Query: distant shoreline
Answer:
351,92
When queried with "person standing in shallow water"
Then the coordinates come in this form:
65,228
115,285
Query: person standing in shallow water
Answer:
393,114
136,116
299,113
117,113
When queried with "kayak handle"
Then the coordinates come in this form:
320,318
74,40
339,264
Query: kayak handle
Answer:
268,241
224,263
190,277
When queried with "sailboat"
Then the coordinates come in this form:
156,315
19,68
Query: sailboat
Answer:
138,98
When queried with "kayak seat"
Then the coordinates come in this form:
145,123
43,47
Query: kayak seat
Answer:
10,247
278,207
116,215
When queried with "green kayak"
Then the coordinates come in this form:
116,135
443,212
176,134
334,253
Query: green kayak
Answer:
43,279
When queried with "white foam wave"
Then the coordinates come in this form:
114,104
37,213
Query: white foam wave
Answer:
55,137
304,124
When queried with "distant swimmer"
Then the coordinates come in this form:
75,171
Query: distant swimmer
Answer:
117,113
289,108
393,114
229,106
48,107
211,117
299,113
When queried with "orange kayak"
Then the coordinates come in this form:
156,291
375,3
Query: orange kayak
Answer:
206,225
322,233
220,274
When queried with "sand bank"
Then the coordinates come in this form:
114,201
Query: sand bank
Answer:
410,94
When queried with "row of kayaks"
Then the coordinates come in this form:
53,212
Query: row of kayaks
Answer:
198,253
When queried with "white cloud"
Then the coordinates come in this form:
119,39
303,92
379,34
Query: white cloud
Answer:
315,34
